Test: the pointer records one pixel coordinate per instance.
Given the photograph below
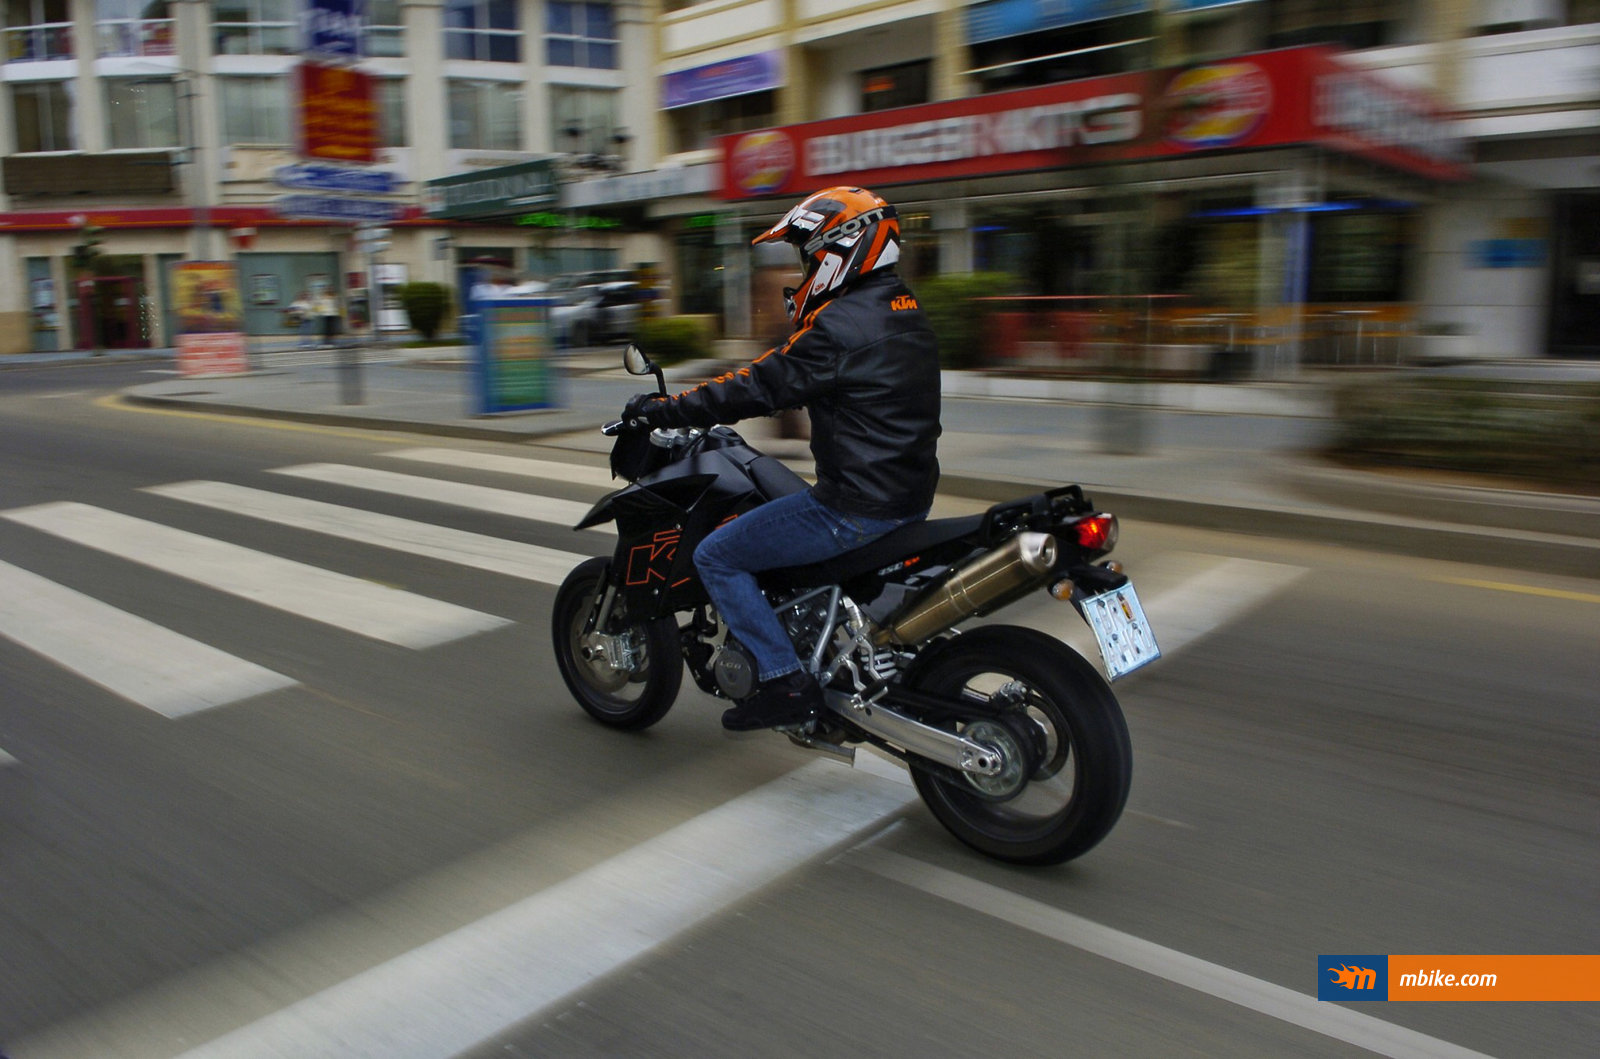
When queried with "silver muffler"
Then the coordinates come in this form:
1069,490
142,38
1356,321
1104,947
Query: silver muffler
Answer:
993,579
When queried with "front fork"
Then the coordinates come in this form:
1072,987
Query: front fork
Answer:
616,651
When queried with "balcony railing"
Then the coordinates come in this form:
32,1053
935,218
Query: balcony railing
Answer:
149,36
51,40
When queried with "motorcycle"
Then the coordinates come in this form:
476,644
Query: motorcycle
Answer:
1014,741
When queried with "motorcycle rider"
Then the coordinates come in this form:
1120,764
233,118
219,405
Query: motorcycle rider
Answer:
863,361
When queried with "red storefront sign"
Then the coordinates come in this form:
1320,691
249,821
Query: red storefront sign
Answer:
338,113
1268,99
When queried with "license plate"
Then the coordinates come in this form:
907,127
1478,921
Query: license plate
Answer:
1119,624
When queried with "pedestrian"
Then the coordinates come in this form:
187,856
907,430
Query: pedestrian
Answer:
301,317
326,308
863,361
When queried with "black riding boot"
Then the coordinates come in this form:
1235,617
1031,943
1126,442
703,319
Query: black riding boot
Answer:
779,702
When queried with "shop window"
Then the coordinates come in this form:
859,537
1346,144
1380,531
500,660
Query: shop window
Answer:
1091,49
583,121
697,285
254,110
697,127
583,35
255,27
41,113
141,112
391,98
484,30
38,29
1351,23
1357,257
485,115
134,27
901,85
383,35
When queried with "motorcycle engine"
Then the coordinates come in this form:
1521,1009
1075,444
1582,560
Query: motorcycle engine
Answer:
734,669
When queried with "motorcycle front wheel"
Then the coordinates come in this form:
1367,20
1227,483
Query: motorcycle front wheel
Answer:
1079,757
629,698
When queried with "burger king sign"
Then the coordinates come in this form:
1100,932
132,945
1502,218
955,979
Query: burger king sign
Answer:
761,162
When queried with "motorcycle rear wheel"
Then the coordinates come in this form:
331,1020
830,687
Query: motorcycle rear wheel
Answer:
1084,760
630,700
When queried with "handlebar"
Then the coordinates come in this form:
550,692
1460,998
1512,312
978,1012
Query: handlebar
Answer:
618,426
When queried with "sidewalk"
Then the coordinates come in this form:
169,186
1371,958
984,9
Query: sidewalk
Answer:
1221,456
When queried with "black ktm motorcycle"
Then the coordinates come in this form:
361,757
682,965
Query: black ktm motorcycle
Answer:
1014,740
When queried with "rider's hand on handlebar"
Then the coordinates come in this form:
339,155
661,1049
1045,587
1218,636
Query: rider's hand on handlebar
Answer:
644,410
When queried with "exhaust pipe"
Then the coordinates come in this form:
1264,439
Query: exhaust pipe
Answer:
992,579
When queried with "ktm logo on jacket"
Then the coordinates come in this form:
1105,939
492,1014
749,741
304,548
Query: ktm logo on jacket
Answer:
904,301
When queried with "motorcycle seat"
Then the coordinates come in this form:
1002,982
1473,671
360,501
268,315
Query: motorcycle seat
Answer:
774,479
900,543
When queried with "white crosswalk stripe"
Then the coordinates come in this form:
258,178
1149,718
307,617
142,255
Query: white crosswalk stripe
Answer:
137,659
440,491
497,555
522,466
383,613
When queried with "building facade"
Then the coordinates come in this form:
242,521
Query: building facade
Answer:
662,126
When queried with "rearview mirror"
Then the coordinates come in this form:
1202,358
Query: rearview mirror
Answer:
635,361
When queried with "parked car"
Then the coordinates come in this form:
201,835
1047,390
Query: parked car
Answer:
595,312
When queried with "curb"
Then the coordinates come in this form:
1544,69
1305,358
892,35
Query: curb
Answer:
1396,532
1491,546
337,419
1534,512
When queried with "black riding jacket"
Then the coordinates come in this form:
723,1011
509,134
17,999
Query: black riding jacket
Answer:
866,367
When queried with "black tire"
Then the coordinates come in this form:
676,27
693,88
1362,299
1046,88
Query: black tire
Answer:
1077,792
580,334
629,701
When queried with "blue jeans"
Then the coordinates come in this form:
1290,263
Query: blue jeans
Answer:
790,531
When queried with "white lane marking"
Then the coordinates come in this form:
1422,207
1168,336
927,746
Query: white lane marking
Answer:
462,989
513,558
580,474
137,659
1212,592
1227,591
378,611
1212,979
6,759
457,494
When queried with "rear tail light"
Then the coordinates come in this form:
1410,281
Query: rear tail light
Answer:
1096,533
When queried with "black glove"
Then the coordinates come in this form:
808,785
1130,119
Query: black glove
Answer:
650,408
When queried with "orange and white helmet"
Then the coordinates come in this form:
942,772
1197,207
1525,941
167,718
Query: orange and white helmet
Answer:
842,233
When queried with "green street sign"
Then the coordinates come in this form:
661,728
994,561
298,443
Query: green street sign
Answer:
503,191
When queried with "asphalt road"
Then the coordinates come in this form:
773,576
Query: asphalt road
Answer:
418,846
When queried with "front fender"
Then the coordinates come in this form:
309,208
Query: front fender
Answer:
604,510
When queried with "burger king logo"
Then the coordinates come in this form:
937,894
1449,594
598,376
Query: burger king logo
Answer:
761,162
1217,105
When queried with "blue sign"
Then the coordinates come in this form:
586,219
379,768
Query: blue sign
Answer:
314,177
1353,977
1012,18
515,367
330,30
1506,253
333,208
732,77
